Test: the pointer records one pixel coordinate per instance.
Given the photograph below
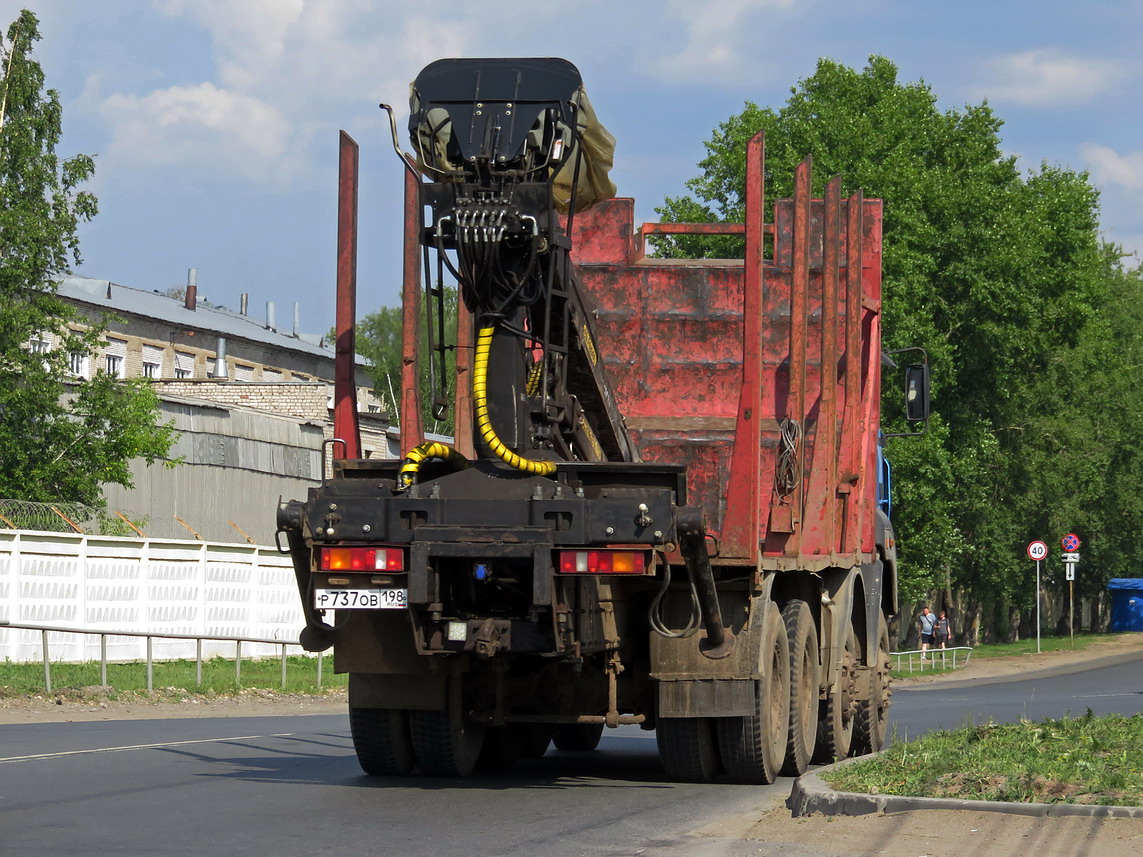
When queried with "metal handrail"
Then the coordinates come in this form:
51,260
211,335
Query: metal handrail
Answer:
150,636
930,657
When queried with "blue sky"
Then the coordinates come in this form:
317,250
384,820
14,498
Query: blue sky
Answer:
214,122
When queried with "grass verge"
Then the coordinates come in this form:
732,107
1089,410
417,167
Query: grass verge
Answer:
218,677
1083,760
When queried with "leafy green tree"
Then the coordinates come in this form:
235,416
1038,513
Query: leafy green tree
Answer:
1000,276
61,437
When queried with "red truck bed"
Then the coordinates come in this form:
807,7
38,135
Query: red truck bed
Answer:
701,355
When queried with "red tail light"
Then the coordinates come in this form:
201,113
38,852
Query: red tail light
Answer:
362,559
602,562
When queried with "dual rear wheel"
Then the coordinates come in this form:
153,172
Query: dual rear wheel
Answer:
751,749
390,742
790,726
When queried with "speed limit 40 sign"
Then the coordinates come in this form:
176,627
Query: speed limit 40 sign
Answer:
1037,550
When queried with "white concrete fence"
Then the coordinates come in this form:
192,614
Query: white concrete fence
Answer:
104,583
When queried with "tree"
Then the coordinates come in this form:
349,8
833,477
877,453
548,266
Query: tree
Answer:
61,437
380,337
1000,276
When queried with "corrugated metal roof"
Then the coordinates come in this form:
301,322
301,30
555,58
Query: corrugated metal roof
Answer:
208,317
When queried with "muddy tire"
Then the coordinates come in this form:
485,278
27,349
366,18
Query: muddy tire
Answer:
801,635
837,713
753,748
446,742
688,748
872,718
382,741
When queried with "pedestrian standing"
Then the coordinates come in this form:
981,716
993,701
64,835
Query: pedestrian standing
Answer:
942,630
927,623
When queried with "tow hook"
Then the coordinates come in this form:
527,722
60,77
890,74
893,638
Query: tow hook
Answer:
487,639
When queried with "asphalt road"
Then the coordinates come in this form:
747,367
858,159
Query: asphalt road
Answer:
291,786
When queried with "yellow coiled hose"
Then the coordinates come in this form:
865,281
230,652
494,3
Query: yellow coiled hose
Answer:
434,449
429,449
480,401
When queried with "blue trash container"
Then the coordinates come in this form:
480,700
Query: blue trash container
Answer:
1126,603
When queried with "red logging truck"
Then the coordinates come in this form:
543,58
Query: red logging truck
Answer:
661,506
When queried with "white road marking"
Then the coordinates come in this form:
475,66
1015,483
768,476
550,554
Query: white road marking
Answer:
139,747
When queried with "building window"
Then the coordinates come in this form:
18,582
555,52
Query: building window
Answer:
77,364
184,365
271,376
40,345
243,373
114,357
152,361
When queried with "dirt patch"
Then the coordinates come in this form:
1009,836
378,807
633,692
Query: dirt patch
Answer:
95,703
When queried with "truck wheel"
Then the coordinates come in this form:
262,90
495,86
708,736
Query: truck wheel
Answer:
801,634
835,726
872,718
381,740
754,747
687,748
578,737
446,742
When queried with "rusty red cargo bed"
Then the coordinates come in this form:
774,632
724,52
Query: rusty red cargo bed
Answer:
719,365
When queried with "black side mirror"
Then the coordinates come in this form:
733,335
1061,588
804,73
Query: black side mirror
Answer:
917,392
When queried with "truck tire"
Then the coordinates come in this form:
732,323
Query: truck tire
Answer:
838,710
753,748
688,748
577,737
872,718
382,741
801,634
446,742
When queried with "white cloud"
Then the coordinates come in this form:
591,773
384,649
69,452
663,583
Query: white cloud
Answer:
1049,77
283,72
1109,167
720,45
198,125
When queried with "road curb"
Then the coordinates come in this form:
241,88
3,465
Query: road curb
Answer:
811,794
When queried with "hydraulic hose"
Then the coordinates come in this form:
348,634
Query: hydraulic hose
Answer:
419,454
484,424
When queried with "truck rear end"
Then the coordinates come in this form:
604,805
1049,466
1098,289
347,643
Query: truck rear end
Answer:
660,505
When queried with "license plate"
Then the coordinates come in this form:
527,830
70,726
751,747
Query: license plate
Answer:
361,599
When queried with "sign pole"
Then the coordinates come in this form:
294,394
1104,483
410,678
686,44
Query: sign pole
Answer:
1072,611
1037,607
1037,550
